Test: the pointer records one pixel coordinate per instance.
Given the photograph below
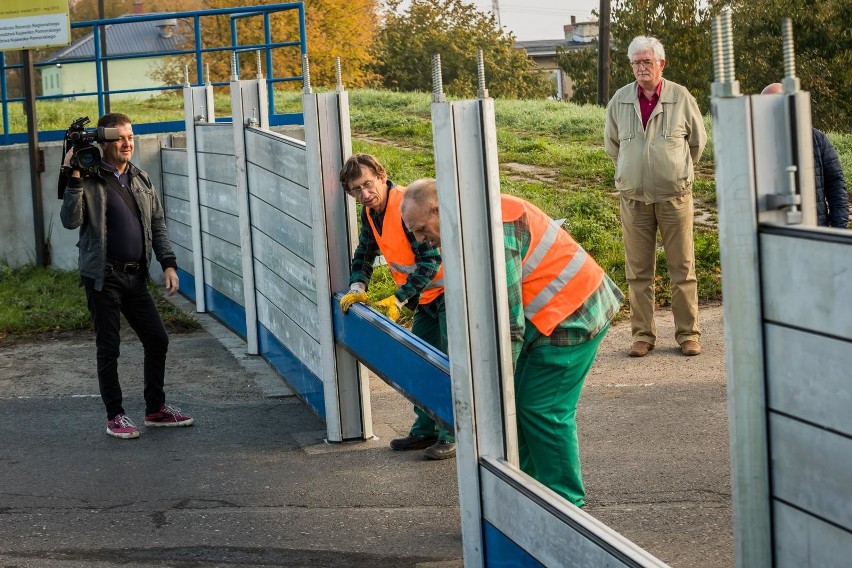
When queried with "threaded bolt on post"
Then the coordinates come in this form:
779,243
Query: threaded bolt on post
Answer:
728,46
257,62
725,84
790,81
482,93
718,59
306,75
789,53
338,73
234,75
437,81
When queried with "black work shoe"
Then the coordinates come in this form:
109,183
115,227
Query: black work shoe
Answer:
413,442
442,450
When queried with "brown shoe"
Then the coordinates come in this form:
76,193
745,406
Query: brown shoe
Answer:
690,348
640,348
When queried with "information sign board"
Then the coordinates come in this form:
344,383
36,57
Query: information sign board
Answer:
32,24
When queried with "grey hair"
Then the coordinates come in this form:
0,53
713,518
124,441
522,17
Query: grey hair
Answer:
645,43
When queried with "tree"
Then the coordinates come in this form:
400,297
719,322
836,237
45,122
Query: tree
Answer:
823,48
344,28
455,30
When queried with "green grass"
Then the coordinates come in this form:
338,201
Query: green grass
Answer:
40,301
551,153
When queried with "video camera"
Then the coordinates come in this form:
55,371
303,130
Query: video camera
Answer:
87,152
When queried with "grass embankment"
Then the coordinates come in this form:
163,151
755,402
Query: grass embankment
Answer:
44,302
550,153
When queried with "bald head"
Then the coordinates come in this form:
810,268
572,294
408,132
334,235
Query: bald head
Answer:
420,211
773,89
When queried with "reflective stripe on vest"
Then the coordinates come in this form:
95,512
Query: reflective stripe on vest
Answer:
394,244
558,274
410,268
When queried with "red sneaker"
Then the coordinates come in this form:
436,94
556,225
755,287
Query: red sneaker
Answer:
168,416
122,427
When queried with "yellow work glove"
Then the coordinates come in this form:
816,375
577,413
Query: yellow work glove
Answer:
352,297
390,305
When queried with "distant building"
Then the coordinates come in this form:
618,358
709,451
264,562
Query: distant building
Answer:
578,35
68,75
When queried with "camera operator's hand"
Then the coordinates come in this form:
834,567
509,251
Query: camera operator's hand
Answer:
172,281
67,163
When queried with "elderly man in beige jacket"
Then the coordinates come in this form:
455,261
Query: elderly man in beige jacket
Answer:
655,134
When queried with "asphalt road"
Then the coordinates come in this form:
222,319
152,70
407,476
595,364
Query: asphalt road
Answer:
254,484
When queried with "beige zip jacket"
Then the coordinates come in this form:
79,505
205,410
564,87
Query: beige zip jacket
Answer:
655,164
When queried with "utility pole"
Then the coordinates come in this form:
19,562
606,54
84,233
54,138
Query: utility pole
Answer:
603,54
42,250
495,9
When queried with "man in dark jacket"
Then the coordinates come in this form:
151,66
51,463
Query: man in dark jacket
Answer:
832,199
121,222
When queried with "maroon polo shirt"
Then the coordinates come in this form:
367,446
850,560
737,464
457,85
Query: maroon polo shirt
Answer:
646,105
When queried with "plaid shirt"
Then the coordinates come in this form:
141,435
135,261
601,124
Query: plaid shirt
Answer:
426,258
581,326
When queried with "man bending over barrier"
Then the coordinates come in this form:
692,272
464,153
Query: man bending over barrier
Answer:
560,307
416,269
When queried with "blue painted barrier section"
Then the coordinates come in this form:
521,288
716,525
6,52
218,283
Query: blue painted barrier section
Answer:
502,552
187,284
306,385
228,311
414,368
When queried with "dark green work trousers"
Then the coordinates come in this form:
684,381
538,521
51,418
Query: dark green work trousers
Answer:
548,381
430,325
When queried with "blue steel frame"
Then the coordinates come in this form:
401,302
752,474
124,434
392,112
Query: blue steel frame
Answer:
198,50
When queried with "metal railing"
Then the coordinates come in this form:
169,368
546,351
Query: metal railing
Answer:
197,51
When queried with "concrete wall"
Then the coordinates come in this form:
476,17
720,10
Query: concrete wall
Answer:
17,245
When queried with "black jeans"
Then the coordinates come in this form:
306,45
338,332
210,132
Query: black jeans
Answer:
127,294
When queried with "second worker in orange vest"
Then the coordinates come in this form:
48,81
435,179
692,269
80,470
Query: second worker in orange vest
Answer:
416,269
560,305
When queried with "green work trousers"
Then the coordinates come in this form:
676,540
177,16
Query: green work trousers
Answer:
548,381
430,325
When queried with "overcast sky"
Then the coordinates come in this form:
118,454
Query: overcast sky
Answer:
539,19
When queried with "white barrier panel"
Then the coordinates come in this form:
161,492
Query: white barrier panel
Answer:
219,215
176,205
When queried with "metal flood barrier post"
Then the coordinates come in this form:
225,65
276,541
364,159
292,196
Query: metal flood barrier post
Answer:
249,108
507,517
198,107
788,326
329,143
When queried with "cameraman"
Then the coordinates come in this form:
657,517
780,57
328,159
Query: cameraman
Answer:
121,221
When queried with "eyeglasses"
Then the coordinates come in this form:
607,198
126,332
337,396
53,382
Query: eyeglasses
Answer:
643,63
356,191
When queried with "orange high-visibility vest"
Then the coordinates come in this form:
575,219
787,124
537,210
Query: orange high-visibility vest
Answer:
558,274
396,248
